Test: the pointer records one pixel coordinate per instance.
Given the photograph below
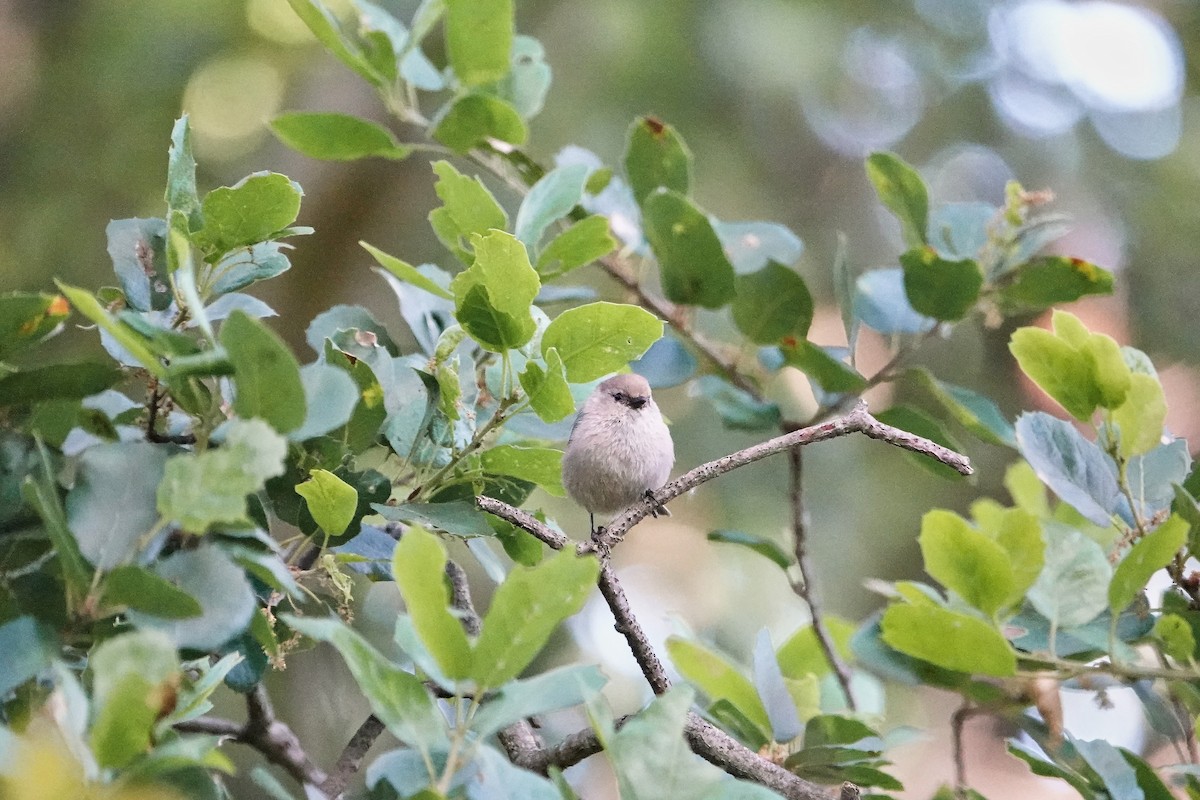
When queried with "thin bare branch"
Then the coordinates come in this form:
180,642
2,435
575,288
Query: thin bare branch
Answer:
350,761
524,520
717,747
628,626
664,309
859,420
805,587
212,726
268,735
957,721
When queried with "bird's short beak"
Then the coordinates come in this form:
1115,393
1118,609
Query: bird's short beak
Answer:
637,402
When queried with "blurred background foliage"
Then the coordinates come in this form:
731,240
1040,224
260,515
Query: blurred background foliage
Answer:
778,99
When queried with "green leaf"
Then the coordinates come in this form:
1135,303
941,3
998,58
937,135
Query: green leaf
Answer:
494,296
26,319
1119,777
1075,469
330,397
140,589
87,304
133,684
559,688
880,302
331,500
1150,554
329,33
181,175
528,80
1050,280
938,288
406,272
767,548
901,189
397,697
479,38
655,155
695,270
26,648
458,517
467,208
540,465
111,506
547,389
266,375
831,374
653,761
199,490
801,655
137,248
948,639
966,561
1185,506
549,200
711,673
57,382
221,588
337,137
474,118
751,246
582,243
1020,534
598,338
1078,369
41,493
491,776
525,610
738,409
1073,586
1139,420
1176,635
248,212
246,265
976,413
772,303
419,565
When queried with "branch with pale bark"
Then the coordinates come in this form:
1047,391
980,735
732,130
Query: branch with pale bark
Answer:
705,739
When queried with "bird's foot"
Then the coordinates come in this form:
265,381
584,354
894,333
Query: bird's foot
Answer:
657,509
600,542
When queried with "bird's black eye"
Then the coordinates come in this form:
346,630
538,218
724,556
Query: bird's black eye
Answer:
619,397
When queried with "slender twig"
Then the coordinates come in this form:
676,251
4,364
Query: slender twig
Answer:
211,726
268,735
859,420
957,721
616,268
628,626
350,761
805,587
460,597
717,747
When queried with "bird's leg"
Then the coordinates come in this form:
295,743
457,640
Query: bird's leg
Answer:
592,523
656,508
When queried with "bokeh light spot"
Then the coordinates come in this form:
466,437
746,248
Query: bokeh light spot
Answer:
229,100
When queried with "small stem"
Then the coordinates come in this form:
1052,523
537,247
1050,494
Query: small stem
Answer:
1070,669
804,587
476,442
957,720
628,626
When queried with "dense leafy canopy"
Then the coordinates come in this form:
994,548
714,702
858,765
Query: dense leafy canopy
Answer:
201,503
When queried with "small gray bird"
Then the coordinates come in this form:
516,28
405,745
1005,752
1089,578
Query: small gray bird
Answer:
620,449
